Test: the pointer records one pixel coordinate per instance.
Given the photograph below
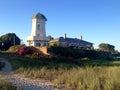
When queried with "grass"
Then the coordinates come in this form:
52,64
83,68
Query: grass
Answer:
89,78
79,78
93,78
80,75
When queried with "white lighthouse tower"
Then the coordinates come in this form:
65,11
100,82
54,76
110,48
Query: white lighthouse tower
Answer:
38,34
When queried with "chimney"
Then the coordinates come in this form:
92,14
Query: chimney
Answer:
65,35
81,37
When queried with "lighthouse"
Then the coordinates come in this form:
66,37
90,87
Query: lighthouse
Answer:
38,33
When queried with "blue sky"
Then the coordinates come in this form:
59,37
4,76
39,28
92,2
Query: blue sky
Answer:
97,21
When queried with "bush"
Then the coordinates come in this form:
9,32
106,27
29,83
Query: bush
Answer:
78,53
65,52
104,55
23,50
14,48
30,51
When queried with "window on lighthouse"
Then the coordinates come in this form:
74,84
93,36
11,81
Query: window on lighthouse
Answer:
38,27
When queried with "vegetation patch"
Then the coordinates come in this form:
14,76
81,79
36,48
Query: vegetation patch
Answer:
69,72
81,75
14,48
23,50
97,78
8,40
79,53
75,77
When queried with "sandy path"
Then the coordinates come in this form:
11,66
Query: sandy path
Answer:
20,81
7,68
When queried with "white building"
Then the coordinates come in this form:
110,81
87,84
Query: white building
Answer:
38,34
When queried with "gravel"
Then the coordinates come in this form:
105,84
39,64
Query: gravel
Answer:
29,84
22,82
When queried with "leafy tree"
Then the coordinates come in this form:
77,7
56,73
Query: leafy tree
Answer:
106,47
9,39
50,37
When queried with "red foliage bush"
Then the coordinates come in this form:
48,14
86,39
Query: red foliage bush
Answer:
23,50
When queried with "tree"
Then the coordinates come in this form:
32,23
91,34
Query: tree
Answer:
106,47
9,39
50,37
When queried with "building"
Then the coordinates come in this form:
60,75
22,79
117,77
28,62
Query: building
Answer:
38,34
71,42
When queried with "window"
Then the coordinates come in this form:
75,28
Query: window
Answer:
44,44
38,26
38,44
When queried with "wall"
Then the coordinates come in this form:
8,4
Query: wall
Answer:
43,49
33,33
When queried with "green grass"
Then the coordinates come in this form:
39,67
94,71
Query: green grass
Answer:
98,62
80,75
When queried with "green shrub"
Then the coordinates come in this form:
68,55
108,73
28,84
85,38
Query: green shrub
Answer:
78,53
104,55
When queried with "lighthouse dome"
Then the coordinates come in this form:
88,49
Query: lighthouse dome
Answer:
39,16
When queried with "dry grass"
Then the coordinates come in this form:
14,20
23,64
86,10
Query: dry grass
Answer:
89,78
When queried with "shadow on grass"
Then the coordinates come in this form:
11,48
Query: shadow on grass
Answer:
27,62
98,62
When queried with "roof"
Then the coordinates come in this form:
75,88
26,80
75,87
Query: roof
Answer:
71,40
39,16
